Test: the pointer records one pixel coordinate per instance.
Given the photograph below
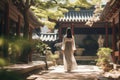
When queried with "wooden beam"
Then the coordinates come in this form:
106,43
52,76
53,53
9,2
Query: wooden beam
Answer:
110,10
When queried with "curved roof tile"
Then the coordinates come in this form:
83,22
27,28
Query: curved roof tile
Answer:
48,37
77,16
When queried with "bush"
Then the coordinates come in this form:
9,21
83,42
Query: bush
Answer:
104,57
10,75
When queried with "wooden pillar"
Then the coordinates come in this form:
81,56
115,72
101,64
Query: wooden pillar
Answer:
119,36
30,39
72,28
113,34
106,35
1,26
6,31
30,33
18,26
113,40
6,20
59,32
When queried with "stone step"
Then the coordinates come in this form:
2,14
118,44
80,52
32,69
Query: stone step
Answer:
116,66
26,68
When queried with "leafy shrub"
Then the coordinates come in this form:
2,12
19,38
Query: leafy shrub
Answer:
10,75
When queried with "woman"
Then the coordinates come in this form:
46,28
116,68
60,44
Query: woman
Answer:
68,48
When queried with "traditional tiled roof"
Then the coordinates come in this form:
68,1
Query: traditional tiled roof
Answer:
49,37
46,37
77,16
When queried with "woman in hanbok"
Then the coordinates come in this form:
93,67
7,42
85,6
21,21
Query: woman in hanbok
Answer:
68,48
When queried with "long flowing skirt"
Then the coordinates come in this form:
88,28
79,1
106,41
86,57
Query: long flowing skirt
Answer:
69,62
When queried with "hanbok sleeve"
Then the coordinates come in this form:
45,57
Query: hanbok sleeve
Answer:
74,46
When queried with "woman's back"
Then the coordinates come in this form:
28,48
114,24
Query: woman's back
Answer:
68,44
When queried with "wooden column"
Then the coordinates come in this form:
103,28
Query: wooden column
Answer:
30,39
106,34
66,26
72,28
113,40
59,32
6,20
18,26
113,34
119,36
1,26
30,33
6,31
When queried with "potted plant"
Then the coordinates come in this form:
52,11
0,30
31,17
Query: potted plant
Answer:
104,58
54,57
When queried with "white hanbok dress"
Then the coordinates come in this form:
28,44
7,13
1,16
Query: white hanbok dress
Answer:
68,46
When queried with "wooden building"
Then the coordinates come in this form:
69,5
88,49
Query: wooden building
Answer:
111,14
86,37
108,27
12,22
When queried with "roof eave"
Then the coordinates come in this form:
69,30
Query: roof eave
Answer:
110,9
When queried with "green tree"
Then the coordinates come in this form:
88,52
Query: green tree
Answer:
47,10
50,10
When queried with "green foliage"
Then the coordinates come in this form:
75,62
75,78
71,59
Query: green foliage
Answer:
54,56
19,49
4,47
54,9
10,75
83,3
93,2
44,49
3,62
41,47
104,52
77,9
104,55
51,56
26,49
1,41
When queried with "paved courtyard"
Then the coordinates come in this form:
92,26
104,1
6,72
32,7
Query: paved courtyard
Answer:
84,72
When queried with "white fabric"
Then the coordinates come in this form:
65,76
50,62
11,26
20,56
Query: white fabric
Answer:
68,46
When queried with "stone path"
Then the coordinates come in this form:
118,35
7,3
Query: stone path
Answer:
84,72
26,68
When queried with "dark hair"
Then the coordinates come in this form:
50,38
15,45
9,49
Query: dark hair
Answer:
69,33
